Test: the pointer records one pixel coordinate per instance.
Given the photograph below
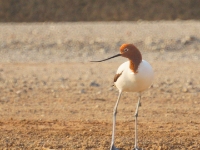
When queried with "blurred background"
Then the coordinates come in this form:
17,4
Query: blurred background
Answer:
97,10
43,30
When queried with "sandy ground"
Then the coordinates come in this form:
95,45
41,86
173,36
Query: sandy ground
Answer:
52,97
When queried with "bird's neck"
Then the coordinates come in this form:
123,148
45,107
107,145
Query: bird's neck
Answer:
134,63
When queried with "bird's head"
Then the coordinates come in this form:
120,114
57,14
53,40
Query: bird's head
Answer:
127,50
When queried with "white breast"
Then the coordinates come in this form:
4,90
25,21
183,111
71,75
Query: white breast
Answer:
134,82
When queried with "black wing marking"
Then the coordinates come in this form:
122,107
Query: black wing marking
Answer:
117,76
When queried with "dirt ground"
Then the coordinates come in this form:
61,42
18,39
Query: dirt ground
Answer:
61,102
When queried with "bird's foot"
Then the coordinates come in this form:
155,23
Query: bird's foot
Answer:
113,148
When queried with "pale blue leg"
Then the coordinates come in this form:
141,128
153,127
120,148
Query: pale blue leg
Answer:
136,115
114,122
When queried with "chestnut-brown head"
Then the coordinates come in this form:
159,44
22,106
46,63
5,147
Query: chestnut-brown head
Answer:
133,54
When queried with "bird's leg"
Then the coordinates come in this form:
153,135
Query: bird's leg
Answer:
136,115
114,122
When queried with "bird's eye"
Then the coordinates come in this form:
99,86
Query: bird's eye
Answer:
126,49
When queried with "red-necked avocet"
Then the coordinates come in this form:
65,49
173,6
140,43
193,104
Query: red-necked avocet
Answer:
134,75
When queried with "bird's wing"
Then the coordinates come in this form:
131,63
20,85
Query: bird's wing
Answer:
120,70
117,76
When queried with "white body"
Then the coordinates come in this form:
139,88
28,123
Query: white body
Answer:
134,82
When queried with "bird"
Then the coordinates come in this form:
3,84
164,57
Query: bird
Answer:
134,75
